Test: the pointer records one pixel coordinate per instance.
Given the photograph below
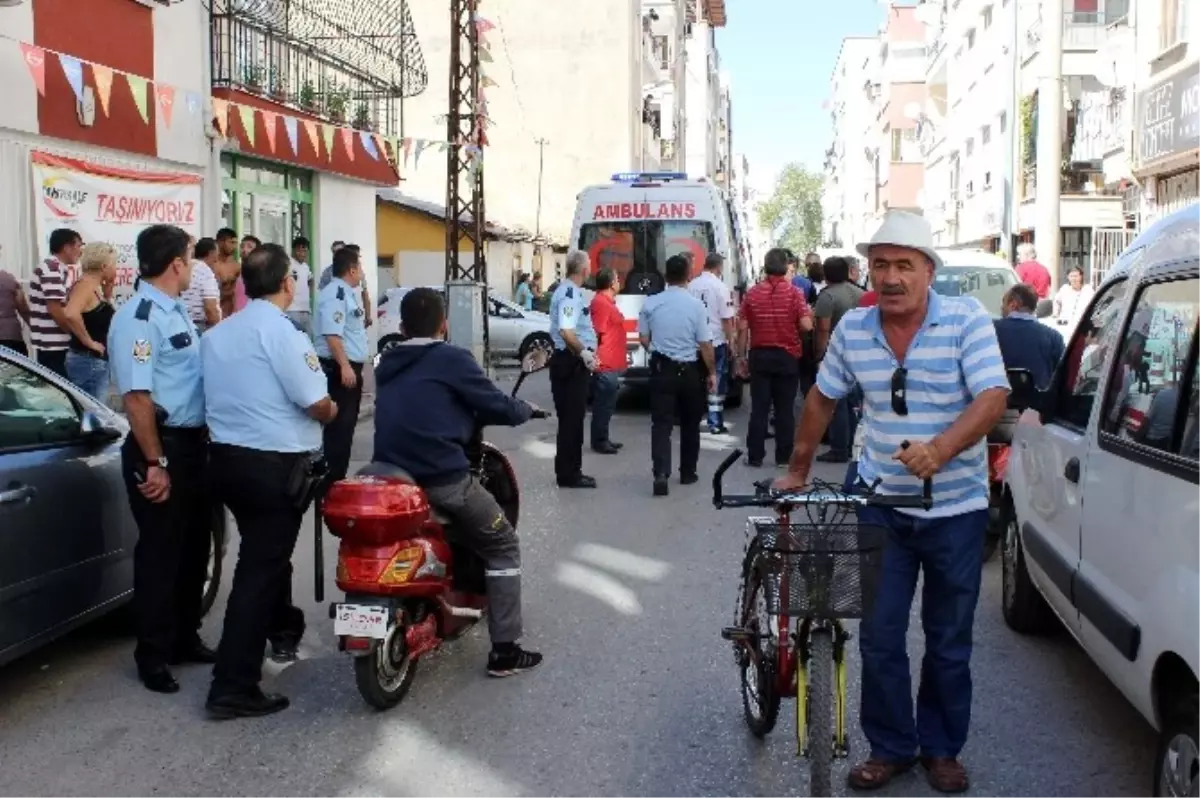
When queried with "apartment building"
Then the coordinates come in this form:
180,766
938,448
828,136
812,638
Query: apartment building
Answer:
753,239
848,196
899,94
723,174
703,88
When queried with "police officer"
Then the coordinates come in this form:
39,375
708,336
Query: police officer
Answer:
673,326
266,399
154,357
342,347
571,366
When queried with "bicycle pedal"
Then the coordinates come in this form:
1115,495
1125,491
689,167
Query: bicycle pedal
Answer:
737,634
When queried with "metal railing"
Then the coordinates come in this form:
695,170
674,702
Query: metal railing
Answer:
1082,30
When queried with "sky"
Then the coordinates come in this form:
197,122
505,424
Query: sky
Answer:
779,63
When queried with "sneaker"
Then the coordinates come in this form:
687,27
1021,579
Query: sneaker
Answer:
512,661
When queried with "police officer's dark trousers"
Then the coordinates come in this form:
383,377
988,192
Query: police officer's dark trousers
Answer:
569,380
255,485
677,395
338,435
170,559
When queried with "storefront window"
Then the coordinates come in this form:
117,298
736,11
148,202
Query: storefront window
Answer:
270,201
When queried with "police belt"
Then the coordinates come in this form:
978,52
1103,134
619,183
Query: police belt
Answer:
307,471
662,361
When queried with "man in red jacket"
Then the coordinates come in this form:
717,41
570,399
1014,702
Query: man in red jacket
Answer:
610,359
1032,273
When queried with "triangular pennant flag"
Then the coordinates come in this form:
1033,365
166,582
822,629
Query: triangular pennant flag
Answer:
327,133
421,144
485,55
221,114
192,99
73,69
269,118
348,141
407,149
482,25
103,76
487,82
381,144
368,144
166,100
137,87
310,128
246,112
35,59
481,38
292,125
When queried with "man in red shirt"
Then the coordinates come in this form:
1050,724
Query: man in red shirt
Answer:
1032,273
772,318
610,359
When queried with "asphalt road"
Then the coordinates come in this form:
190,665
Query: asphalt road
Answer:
626,595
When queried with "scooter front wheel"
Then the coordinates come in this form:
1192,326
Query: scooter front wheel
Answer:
384,676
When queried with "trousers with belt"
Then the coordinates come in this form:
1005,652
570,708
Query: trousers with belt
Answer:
338,435
257,487
677,396
170,559
569,379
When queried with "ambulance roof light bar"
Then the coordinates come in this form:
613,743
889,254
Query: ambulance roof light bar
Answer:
647,177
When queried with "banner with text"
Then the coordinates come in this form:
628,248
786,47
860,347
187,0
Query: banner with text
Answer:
109,204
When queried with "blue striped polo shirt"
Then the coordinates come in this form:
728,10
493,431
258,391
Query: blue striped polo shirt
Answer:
953,358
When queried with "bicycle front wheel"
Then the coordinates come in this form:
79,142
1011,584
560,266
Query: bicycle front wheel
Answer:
760,698
820,712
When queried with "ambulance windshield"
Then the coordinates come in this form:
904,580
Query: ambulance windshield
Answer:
637,250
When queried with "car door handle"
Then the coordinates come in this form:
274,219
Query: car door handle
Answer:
1071,472
16,493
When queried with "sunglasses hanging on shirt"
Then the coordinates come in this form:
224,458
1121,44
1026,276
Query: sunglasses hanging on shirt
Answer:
900,391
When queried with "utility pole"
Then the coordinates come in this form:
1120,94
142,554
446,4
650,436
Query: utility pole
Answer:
466,286
1008,225
541,164
1049,138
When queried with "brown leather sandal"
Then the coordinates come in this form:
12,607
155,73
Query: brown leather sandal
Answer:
946,774
876,773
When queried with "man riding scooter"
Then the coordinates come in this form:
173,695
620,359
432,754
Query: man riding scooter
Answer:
430,398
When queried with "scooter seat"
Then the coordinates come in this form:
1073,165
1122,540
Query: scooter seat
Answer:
376,469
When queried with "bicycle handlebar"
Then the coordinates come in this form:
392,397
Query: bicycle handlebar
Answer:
766,496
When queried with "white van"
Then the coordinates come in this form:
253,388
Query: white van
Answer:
1104,519
637,221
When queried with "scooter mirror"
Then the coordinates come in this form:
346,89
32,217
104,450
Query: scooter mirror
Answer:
535,360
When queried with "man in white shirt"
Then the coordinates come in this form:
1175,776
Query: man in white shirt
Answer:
203,296
710,289
300,311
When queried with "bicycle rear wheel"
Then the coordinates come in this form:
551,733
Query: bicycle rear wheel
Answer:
760,696
820,712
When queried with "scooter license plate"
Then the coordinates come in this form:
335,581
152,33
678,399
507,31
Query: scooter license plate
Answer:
360,620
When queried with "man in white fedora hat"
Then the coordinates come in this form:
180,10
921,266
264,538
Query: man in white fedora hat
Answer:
931,373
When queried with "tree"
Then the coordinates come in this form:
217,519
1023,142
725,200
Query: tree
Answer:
793,213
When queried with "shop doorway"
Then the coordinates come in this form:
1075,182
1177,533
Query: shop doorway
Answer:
270,201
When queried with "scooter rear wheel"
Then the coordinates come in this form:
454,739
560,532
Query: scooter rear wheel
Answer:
384,676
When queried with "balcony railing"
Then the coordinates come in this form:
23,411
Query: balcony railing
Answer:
1082,30
285,51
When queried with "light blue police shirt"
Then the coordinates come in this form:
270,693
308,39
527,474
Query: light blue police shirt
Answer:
153,346
570,310
340,313
260,375
326,276
676,324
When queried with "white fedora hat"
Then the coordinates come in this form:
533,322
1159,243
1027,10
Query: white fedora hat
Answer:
904,229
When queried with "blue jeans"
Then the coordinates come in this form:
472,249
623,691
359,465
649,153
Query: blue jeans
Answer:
716,402
950,552
89,373
605,386
844,423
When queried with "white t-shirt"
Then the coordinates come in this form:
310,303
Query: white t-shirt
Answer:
718,301
1071,303
203,286
303,277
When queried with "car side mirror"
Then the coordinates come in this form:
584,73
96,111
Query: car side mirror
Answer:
1045,308
1023,393
92,427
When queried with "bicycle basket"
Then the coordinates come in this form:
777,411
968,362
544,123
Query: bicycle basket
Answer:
832,570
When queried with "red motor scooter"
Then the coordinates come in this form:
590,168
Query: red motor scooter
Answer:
999,444
408,586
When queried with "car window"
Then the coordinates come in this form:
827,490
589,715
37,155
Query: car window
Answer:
33,411
1094,339
1150,376
986,283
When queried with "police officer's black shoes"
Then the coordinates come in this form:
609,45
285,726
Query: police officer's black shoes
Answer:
509,659
158,680
253,704
661,486
581,481
689,479
195,652
606,448
284,651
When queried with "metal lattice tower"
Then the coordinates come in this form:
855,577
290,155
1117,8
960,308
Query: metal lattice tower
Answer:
466,138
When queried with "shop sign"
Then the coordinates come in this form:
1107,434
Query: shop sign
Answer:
1168,117
112,205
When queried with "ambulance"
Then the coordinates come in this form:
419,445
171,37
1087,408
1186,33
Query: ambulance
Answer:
638,220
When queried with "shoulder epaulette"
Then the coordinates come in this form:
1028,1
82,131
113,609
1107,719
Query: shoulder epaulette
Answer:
341,294
143,310
570,293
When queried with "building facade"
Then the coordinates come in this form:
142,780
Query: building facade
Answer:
848,197
898,93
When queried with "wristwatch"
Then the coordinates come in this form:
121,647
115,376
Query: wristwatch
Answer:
160,463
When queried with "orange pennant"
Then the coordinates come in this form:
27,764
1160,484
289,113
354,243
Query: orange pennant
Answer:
165,95
269,118
221,114
310,128
103,77
35,59
348,141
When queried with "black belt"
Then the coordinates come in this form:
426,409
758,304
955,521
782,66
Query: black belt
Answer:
673,362
182,433
330,362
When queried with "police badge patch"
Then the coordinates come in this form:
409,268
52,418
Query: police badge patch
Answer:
310,359
141,351
337,317
568,311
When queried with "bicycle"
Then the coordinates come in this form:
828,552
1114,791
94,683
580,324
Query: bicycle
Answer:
819,573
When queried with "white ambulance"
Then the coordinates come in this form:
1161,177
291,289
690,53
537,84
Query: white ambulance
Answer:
637,221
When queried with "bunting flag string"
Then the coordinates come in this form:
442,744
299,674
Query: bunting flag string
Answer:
291,125
269,118
368,143
165,95
103,77
73,68
310,129
221,114
137,87
246,112
35,60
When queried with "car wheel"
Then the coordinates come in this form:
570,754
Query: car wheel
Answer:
389,342
216,557
536,341
1177,760
1025,610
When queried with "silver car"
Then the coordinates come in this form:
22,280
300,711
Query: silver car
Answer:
513,331
66,548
